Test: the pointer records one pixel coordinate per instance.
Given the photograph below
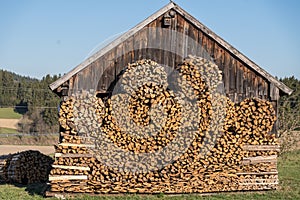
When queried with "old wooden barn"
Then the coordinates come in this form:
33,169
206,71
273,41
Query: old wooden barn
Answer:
243,155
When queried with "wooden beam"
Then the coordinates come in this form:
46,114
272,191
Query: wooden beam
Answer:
261,148
68,177
71,167
259,159
257,173
275,183
77,145
73,155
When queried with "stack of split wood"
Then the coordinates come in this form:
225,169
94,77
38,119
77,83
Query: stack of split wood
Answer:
25,167
206,143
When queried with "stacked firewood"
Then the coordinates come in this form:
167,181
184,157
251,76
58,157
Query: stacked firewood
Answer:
135,135
4,164
255,120
205,142
25,167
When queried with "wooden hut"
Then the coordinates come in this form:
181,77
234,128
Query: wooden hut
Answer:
243,157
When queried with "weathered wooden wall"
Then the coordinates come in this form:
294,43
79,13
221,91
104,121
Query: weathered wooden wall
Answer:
240,81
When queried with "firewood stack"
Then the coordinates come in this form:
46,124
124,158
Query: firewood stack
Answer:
25,167
4,164
205,142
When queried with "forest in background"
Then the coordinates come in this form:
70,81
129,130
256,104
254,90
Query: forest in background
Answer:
33,99
39,105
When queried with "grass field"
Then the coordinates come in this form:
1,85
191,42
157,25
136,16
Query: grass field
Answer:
9,113
7,130
288,166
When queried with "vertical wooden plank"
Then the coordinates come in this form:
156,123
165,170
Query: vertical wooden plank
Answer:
274,92
99,64
173,42
210,48
99,71
245,82
180,39
255,84
120,61
71,85
240,66
260,89
166,46
75,83
109,73
151,40
250,83
79,81
274,98
223,69
238,80
82,78
192,40
185,38
205,52
136,46
218,51
234,83
200,47
227,74
101,82
266,91
93,76
159,40
143,44
243,76
129,52
232,73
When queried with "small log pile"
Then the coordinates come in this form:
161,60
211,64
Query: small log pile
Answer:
25,167
156,137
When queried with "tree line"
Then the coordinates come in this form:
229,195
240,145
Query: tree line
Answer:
289,115
32,98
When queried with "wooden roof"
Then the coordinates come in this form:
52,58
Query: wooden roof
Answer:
192,20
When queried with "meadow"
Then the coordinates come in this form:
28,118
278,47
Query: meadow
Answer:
9,113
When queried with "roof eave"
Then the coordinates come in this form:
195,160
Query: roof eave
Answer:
190,18
110,46
234,51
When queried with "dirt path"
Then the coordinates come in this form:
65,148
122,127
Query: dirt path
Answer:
7,149
9,123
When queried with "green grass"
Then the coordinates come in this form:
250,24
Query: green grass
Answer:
9,192
9,113
289,175
7,130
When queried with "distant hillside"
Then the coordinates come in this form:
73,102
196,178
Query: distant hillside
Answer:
16,89
19,78
31,97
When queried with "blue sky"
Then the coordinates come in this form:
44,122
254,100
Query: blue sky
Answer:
52,36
